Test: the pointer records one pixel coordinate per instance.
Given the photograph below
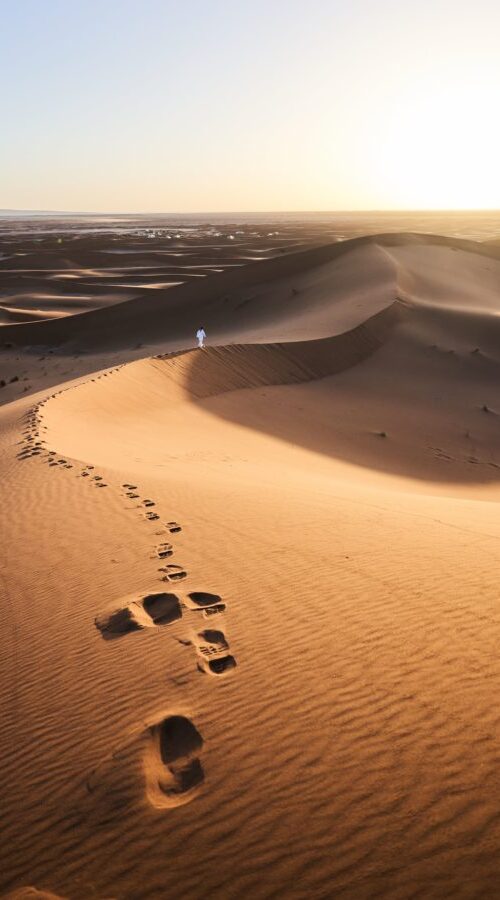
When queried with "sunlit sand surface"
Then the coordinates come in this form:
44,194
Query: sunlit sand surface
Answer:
250,592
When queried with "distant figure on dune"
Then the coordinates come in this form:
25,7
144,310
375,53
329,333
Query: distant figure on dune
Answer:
200,334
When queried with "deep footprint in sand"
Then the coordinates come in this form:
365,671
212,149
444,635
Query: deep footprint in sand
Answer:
173,573
173,527
164,550
145,612
212,646
152,516
208,604
172,768
220,665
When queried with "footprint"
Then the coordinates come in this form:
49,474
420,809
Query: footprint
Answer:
173,527
221,664
214,610
212,646
132,496
152,516
149,503
162,608
164,551
145,612
209,604
173,573
173,771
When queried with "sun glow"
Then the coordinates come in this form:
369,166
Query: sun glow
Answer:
432,140
440,152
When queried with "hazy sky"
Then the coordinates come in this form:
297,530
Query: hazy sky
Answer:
211,105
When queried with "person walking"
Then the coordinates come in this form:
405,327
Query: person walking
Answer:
201,335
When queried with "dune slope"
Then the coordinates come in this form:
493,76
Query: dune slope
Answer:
250,593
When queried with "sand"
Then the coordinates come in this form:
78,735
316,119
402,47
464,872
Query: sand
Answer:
250,593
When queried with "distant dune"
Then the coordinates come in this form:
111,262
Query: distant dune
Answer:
250,599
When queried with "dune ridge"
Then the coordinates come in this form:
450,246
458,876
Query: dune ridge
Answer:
211,297
235,367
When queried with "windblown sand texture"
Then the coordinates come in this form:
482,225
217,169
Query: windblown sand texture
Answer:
250,594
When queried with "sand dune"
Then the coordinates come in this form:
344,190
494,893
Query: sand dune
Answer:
250,600
75,265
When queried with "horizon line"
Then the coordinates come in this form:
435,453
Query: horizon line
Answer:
234,212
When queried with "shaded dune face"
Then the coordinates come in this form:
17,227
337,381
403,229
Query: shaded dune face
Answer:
414,391
424,411
239,367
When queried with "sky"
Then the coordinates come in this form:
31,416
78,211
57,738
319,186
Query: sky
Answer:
214,106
